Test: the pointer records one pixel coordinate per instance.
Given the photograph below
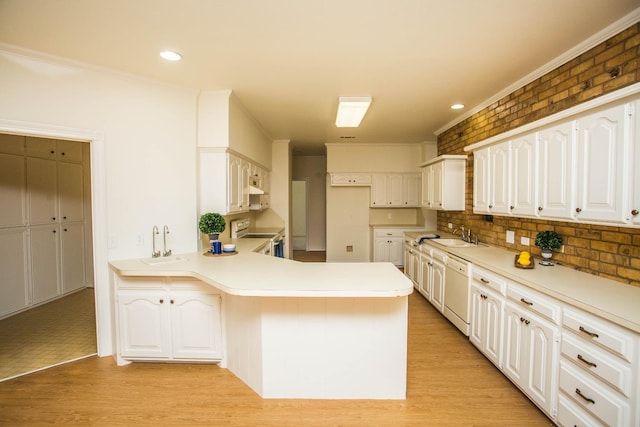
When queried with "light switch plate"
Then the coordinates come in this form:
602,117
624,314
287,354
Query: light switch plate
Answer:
525,241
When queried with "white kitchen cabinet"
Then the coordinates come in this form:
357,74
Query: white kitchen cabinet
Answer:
531,355
224,182
412,260
436,280
161,323
12,144
487,311
444,183
72,256
13,265
42,191
599,372
431,280
388,246
602,166
44,263
395,190
481,181
351,179
13,191
634,193
500,178
524,176
70,192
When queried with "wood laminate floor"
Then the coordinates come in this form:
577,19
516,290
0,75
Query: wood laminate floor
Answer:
449,384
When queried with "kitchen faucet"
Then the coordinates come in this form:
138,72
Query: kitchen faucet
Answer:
165,252
154,253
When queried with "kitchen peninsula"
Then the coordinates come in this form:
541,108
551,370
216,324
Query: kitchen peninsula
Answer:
287,329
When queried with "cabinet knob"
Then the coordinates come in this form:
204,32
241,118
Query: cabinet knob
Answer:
161,301
512,207
634,212
54,231
490,206
539,208
578,210
65,229
53,218
64,217
172,301
62,153
52,152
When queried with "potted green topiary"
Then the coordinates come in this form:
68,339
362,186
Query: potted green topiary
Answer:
548,240
213,224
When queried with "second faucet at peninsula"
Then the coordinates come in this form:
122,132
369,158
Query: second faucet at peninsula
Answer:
156,253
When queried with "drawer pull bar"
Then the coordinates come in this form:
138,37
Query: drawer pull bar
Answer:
587,399
582,359
483,280
591,334
525,301
526,322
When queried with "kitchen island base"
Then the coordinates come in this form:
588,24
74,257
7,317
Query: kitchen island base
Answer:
319,348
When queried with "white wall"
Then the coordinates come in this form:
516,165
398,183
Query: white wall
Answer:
145,140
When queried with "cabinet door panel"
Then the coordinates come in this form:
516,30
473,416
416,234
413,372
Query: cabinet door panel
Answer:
556,171
195,322
412,190
13,265
542,352
70,190
44,244
13,191
42,191
143,325
500,178
395,190
601,164
481,176
524,178
437,286
493,329
72,256
514,353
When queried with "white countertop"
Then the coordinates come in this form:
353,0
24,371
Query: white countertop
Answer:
253,274
615,301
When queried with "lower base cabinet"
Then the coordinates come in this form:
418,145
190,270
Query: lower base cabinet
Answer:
171,321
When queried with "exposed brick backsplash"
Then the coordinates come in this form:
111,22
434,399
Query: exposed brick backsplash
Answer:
612,252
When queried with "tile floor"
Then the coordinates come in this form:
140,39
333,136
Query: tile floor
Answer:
56,332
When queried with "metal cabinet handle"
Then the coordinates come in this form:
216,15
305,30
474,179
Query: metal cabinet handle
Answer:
526,322
483,280
512,207
635,212
525,301
587,399
582,359
490,206
539,208
578,210
483,296
591,334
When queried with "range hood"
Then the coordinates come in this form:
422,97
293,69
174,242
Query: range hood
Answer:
255,190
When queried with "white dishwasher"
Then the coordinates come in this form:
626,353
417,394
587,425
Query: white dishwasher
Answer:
456,292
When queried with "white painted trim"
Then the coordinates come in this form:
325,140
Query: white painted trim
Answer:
601,36
99,213
561,115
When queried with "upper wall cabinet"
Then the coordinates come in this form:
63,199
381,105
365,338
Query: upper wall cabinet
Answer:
443,183
398,190
581,169
351,179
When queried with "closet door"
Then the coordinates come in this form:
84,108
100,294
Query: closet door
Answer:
70,191
72,256
13,265
44,243
42,191
13,191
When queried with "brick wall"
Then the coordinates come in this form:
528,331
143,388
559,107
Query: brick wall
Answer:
612,252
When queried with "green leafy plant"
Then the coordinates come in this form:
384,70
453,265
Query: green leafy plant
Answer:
212,223
548,239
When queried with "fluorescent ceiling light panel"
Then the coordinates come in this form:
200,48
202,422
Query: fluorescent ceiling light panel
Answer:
351,110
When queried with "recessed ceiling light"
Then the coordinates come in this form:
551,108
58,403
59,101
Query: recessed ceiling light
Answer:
170,55
457,106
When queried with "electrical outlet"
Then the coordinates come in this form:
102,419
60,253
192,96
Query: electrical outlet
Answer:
450,226
349,248
139,239
389,215
511,236
524,241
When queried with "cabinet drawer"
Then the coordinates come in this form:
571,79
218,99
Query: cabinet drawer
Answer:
388,232
439,255
593,396
598,363
536,302
489,280
601,332
571,415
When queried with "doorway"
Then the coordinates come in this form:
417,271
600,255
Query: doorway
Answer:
299,204
51,317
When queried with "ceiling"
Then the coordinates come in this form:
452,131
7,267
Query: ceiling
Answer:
288,61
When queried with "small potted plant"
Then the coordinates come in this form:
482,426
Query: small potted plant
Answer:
212,224
548,240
